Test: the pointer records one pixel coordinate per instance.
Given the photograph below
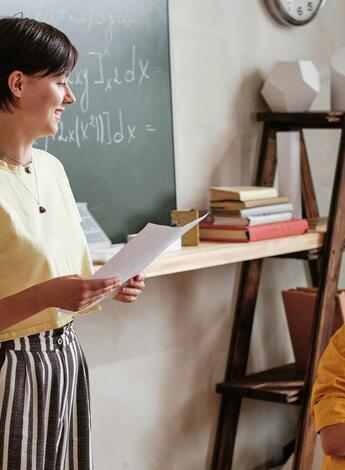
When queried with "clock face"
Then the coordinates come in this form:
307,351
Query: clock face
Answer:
294,12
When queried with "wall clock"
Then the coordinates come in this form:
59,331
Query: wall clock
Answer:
294,12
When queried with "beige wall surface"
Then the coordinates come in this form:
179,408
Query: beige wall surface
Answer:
154,364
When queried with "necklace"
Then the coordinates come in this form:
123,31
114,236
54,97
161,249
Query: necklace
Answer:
25,165
37,199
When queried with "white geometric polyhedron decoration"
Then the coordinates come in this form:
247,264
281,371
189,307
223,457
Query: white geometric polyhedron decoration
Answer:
291,86
338,80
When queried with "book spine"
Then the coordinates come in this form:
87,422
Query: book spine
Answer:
277,230
265,210
244,195
223,240
230,221
269,218
251,220
259,194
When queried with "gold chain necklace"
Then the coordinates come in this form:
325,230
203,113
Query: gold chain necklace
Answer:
25,165
41,209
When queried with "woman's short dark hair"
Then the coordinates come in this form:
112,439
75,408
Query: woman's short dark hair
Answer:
34,48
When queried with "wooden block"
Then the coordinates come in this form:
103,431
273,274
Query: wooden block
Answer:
183,217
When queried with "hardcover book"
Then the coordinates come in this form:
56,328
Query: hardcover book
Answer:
252,219
261,210
288,228
241,193
230,205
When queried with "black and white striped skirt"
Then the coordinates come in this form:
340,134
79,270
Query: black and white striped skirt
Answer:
44,403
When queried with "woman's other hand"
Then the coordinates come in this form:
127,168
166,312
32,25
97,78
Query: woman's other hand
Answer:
76,292
131,291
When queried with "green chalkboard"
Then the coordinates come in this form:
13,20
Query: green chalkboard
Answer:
116,142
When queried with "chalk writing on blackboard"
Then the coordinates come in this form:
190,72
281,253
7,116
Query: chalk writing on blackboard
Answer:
102,73
105,128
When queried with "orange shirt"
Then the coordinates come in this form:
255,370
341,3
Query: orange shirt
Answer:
328,395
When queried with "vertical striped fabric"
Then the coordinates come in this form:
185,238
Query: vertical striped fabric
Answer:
44,403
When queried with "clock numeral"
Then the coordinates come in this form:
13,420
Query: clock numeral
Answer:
294,12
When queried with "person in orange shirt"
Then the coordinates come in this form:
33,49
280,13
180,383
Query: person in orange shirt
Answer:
328,402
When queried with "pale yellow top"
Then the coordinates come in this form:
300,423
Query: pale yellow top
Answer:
35,247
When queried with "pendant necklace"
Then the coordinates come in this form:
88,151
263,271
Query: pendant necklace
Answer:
41,209
26,165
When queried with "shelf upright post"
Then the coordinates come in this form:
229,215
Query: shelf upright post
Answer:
243,320
325,306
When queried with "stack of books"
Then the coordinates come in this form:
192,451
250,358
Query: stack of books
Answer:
249,213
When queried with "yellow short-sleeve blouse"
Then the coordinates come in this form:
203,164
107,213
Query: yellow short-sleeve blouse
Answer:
34,246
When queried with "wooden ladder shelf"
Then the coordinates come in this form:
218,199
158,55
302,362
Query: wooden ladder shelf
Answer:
285,384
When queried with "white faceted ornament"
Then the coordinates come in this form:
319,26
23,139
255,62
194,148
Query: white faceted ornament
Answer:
291,86
338,80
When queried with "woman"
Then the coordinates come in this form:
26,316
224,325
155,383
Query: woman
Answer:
44,262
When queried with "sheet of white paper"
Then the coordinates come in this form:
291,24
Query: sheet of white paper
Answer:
134,257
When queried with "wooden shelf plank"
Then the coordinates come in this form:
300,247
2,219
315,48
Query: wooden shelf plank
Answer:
310,120
282,385
209,254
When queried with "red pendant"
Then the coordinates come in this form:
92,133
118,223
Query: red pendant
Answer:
42,209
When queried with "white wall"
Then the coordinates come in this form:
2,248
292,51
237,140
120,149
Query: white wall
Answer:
154,365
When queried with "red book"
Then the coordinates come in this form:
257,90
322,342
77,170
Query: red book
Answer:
253,233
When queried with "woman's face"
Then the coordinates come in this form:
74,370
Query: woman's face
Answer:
42,102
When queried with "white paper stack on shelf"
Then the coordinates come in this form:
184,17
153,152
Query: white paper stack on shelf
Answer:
100,246
102,255
95,236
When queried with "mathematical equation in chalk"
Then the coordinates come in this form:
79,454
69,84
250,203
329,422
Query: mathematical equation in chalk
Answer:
90,81
117,74
105,128
89,19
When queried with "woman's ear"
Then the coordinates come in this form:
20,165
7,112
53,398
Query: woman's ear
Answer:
15,83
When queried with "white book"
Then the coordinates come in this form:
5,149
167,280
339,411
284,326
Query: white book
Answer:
252,220
242,193
264,210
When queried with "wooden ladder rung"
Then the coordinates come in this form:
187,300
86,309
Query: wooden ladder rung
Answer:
306,255
310,120
283,384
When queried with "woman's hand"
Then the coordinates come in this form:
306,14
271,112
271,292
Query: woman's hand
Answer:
76,292
131,291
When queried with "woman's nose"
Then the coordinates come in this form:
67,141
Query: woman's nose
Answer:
69,97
